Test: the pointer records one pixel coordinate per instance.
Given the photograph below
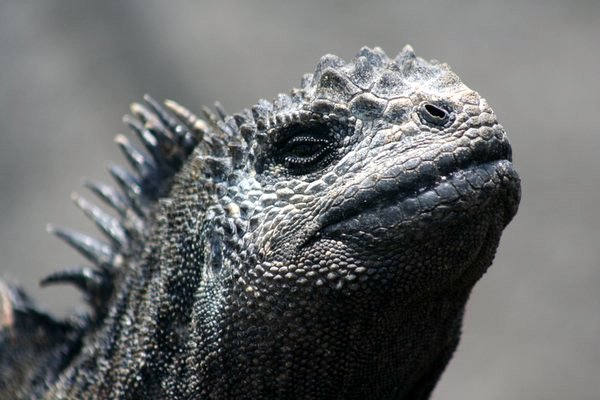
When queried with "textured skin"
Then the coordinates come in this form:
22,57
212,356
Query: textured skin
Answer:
320,246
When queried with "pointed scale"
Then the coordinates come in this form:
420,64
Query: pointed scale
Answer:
210,116
97,286
169,144
150,142
86,279
183,135
110,226
109,195
198,126
130,186
99,253
220,110
143,164
169,151
167,119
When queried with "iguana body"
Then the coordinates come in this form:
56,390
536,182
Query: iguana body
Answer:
319,246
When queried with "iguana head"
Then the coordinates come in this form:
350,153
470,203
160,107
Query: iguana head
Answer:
381,179
322,245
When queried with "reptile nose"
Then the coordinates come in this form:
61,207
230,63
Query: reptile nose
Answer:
433,114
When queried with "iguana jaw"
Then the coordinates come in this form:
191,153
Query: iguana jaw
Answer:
463,192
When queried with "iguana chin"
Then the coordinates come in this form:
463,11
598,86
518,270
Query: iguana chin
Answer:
320,246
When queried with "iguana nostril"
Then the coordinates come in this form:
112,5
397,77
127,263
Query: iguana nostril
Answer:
435,115
435,111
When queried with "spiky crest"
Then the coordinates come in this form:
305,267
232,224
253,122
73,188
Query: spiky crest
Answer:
169,135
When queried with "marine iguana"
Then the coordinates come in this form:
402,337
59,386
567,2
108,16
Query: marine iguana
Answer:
322,245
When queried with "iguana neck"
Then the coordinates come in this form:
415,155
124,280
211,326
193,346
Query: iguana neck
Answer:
331,354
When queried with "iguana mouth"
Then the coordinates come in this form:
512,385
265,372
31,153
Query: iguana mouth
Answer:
459,186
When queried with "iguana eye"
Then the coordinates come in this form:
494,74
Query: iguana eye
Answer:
305,148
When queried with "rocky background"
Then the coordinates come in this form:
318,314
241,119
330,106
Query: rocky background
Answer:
69,69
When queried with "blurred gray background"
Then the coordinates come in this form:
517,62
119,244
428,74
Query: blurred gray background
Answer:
69,69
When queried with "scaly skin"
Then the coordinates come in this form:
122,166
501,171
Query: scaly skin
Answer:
322,246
